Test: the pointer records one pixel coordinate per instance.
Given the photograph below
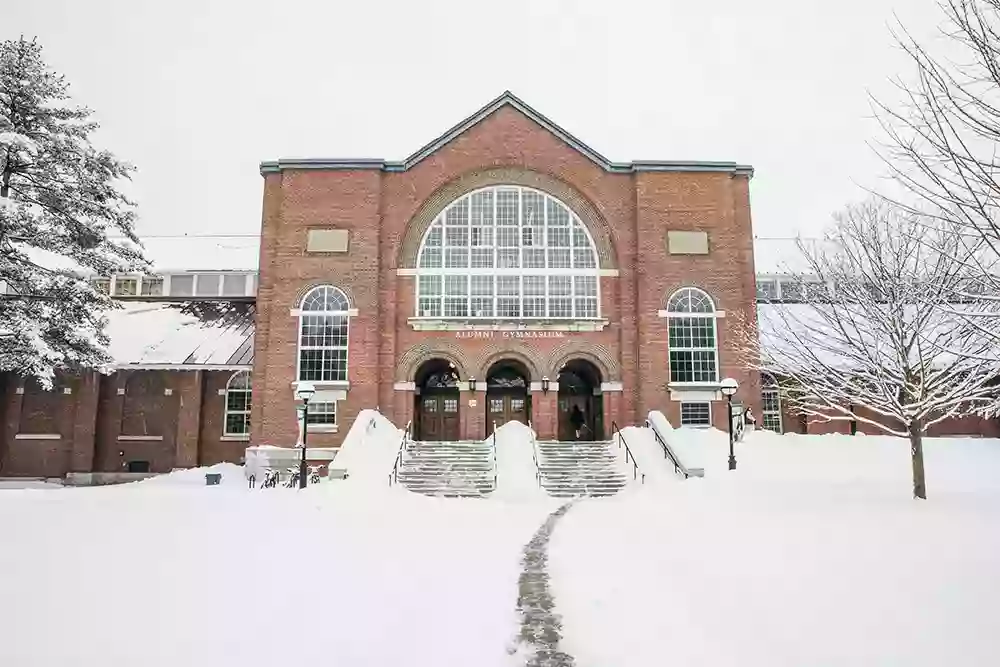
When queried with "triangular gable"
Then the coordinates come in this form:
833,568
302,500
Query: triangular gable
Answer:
506,99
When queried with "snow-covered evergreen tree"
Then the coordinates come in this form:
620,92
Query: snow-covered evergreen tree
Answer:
873,337
62,217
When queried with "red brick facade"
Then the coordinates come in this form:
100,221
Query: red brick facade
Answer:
95,423
385,210
168,419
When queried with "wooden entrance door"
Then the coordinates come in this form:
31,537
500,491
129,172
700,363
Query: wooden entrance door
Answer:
502,408
439,417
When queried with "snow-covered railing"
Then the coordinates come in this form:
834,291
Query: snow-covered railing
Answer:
394,475
670,455
534,455
494,452
615,431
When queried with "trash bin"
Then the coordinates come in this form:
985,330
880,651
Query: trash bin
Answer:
213,478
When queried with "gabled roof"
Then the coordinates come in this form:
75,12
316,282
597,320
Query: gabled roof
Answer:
506,99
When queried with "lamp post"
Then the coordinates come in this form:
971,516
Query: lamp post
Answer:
728,387
545,385
305,391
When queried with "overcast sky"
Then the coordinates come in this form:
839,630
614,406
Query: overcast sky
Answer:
197,92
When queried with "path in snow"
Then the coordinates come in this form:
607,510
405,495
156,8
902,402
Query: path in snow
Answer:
541,626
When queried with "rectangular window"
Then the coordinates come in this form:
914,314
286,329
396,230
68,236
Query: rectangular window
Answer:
767,290
482,208
102,285
482,258
696,414
126,286
692,349
152,286
533,258
208,284
182,285
771,409
507,208
322,414
559,258
234,284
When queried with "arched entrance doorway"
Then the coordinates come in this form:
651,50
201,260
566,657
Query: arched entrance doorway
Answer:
507,397
436,413
581,405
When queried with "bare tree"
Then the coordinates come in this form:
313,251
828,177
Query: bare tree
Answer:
943,133
869,340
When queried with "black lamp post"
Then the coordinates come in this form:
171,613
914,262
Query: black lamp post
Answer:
728,387
305,391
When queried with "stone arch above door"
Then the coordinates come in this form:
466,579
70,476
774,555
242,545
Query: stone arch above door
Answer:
511,350
424,351
597,354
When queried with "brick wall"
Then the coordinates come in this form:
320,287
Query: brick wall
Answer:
168,418
386,214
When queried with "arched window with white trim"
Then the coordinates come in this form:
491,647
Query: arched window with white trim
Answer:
693,337
507,252
237,421
323,331
770,403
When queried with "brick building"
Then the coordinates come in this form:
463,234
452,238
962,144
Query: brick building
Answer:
504,271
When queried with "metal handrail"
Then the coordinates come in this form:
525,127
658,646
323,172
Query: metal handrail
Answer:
534,455
628,452
667,454
394,475
495,475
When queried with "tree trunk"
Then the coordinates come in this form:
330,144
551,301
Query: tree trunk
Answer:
917,459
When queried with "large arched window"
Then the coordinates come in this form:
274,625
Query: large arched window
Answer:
238,404
694,351
323,326
507,252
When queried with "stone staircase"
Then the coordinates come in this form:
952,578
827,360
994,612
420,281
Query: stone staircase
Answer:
573,469
449,469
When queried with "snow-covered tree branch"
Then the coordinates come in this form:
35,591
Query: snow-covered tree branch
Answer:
873,340
943,131
60,215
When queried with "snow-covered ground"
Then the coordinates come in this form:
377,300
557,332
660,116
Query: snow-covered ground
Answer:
168,572
811,553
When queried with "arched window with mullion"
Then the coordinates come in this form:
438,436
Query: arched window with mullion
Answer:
693,337
508,252
324,321
237,419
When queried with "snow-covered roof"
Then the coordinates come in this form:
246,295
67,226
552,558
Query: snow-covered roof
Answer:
202,253
170,334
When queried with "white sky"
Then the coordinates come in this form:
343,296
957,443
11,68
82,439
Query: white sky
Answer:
197,92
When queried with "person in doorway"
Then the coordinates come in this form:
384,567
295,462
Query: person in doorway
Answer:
576,419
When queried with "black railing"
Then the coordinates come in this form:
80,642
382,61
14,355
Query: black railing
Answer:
629,456
494,456
534,455
394,475
667,453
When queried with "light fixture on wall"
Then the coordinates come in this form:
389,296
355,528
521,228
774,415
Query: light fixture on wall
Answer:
472,384
545,384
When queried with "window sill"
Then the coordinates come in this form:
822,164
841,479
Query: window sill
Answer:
38,436
694,391
323,428
330,384
235,438
141,438
507,328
